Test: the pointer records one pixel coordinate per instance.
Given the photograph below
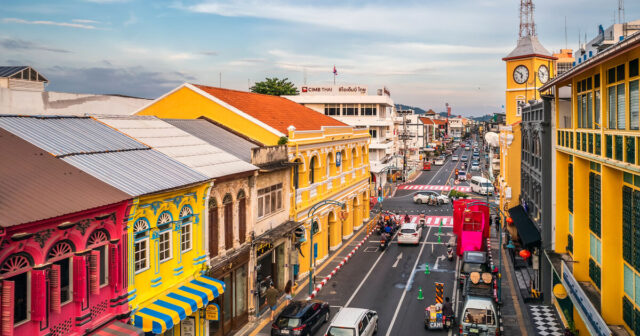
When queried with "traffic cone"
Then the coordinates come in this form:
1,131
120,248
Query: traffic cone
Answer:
420,297
426,270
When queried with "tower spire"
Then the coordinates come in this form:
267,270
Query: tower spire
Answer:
527,24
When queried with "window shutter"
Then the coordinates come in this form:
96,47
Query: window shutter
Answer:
54,288
7,308
114,266
94,272
79,279
38,295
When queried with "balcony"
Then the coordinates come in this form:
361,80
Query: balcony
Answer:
388,135
381,144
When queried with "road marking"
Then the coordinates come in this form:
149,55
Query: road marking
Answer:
395,264
409,281
435,266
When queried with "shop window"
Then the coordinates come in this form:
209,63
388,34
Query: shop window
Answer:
242,217
213,227
594,203
228,221
164,237
17,267
269,200
98,242
141,245
186,217
240,291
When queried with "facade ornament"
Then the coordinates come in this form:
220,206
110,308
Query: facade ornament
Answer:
82,225
41,237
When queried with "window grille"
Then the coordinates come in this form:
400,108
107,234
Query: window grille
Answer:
594,272
627,224
570,180
594,203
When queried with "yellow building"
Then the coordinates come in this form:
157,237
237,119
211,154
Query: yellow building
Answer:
333,157
528,66
597,210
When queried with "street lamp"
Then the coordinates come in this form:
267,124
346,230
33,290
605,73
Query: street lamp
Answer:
312,211
499,232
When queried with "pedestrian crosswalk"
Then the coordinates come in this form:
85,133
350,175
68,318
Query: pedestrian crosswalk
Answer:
430,220
433,187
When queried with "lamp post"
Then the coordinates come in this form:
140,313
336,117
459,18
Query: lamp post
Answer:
312,211
495,208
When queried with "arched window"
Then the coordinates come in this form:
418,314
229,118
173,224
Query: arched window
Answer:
213,227
165,240
140,245
16,268
242,217
353,158
312,170
98,241
186,216
60,256
228,221
363,152
296,173
328,166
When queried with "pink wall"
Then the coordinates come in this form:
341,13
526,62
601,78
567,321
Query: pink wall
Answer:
91,305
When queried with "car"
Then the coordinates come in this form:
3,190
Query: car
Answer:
481,185
472,261
439,161
467,148
354,322
475,166
464,158
462,175
454,158
409,233
423,197
301,318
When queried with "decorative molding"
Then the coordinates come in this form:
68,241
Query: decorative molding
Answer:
41,237
82,225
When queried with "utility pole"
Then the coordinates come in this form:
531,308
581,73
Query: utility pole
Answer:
404,147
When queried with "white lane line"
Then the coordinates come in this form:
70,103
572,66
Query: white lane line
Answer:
429,220
409,281
454,297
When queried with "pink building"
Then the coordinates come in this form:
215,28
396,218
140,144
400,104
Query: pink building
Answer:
62,246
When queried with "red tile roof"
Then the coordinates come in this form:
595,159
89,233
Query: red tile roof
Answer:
430,121
439,122
426,121
274,111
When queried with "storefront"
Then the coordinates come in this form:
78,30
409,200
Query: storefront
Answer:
269,268
233,271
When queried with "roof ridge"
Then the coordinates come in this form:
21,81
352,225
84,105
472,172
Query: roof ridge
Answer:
234,90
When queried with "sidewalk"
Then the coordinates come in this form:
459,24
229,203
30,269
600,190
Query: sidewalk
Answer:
301,290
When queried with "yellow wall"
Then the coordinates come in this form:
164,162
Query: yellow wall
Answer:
145,286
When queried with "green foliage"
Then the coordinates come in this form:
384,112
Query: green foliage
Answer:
283,140
458,194
275,87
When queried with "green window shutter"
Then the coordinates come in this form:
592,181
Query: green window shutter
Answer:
594,203
631,149
627,224
570,243
598,149
627,312
619,147
609,143
636,322
584,142
594,272
636,230
570,178
590,149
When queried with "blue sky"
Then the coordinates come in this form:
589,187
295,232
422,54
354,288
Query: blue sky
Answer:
426,52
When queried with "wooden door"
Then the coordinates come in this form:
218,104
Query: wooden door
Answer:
242,219
228,225
213,231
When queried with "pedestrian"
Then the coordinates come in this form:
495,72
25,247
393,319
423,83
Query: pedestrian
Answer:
287,292
272,298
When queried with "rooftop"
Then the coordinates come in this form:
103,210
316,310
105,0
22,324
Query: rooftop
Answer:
528,46
22,72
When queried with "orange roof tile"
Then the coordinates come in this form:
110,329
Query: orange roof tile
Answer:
426,121
439,122
274,111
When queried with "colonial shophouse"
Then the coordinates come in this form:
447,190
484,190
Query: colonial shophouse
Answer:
164,232
63,245
332,157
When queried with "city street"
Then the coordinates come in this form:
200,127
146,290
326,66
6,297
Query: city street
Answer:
388,282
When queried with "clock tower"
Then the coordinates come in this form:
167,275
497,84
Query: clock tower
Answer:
528,67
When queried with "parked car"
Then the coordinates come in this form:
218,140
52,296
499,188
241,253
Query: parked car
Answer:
481,185
301,318
454,158
423,197
439,161
410,233
354,322
462,175
479,317
472,261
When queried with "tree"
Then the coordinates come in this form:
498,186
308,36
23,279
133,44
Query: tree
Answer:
275,87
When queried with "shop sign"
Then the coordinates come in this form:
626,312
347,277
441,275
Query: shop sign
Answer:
188,327
212,312
338,159
592,319
263,248
341,90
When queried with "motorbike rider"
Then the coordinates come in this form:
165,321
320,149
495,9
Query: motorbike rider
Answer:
447,308
406,218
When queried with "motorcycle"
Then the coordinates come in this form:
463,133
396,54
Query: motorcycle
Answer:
384,242
449,253
422,221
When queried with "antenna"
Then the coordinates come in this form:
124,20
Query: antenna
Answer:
621,18
527,24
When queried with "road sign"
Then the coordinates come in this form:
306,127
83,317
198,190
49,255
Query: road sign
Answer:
439,292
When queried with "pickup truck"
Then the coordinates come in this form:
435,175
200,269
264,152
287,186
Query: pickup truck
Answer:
480,313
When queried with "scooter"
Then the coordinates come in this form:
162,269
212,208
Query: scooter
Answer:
385,241
449,253
422,221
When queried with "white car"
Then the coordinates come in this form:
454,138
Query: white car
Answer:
423,197
462,175
354,322
475,166
409,233
464,158
454,158
439,162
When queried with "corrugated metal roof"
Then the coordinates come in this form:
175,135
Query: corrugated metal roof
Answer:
68,135
6,71
137,172
217,136
180,145
36,186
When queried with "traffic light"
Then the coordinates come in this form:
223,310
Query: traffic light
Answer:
299,234
497,221
315,227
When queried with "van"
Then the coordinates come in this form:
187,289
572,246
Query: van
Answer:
481,185
479,317
354,322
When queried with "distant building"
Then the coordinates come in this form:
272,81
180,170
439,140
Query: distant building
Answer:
564,62
21,78
605,39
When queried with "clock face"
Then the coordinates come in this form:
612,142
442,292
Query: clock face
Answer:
520,74
543,73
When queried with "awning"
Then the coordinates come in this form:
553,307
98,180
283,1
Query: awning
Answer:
175,306
527,230
117,328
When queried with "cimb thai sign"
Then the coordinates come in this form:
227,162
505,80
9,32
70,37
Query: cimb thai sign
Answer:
346,90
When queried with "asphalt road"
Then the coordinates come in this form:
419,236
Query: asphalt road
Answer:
388,282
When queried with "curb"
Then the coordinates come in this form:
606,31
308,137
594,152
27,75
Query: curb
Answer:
335,270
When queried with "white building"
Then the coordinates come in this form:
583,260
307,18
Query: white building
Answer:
456,128
605,39
352,105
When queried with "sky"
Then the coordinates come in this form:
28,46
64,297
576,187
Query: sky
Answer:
427,53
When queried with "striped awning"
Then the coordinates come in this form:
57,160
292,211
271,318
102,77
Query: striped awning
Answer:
176,305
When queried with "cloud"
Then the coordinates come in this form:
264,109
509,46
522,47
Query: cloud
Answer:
50,23
209,53
247,62
17,44
107,1
446,48
129,81
84,21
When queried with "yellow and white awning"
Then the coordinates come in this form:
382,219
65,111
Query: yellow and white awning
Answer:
175,306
